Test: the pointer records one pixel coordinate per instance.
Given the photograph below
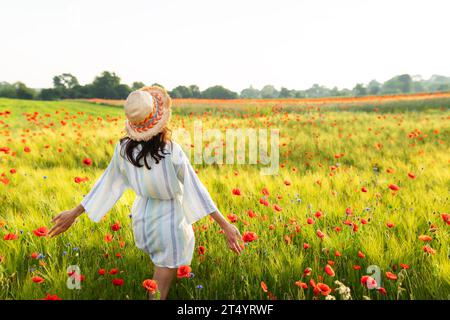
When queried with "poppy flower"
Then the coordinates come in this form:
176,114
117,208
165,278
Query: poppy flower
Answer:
394,187
411,175
429,250
287,182
318,214
249,237
87,161
363,221
369,282
27,149
425,238
40,232
364,189
404,266
37,279
361,255
264,286
307,271
271,227
251,214
391,276
51,297
108,237
301,284
201,250
348,211
102,272
276,207
356,267
115,226
150,285
382,291
184,271
263,201
390,225
236,191
305,246
34,255
329,270
118,282
114,271
10,236
232,217
320,234
446,218
265,192
310,221
323,289
337,254
12,171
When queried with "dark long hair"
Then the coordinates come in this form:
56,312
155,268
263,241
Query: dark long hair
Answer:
153,147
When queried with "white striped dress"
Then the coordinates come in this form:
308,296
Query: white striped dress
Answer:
169,199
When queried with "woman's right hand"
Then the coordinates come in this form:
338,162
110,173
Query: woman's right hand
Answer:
64,221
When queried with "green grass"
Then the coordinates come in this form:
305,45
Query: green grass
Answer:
44,186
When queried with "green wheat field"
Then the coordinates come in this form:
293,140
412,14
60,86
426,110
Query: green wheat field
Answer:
362,190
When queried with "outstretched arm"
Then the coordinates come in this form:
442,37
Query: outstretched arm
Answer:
231,232
64,220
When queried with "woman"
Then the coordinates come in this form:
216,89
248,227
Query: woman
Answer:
169,195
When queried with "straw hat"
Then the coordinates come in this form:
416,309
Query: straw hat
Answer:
147,111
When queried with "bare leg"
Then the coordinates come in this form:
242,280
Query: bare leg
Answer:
163,277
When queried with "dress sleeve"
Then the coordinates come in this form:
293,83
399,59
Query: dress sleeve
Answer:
196,202
106,191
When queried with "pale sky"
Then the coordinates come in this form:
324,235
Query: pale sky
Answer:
235,43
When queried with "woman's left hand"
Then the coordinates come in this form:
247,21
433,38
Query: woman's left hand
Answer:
63,221
233,237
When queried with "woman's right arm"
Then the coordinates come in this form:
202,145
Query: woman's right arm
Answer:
64,220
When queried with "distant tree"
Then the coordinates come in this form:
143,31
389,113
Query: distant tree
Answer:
399,84
373,88
269,92
23,92
285,93
218,92
183,91
137,85
250,93
317,91
195,91
7,90
49,94
65,81
359,90
106,86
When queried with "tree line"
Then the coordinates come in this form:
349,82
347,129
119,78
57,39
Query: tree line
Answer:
108,85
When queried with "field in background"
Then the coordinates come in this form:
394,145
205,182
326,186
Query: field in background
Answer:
331,203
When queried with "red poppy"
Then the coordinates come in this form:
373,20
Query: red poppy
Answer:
10,236
390,224
425,238
382,291
318,214
150,285
369,282
394,187
320,234
118,282
265,192
108,237
404,266
363,221
27,149
305,246
363,189
446,218
37,279
349,211
356,267
264,286
411,175
337,254
249,237
232,217
329,270
264,202
87,161
323,289
12,171
114,271
184,271
40,232
236,192
276,207
287,182
201,250
301,284
115,226
101,272
391,276
310,221
429,250
361,255
51,297
251,214
307,271
34,255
